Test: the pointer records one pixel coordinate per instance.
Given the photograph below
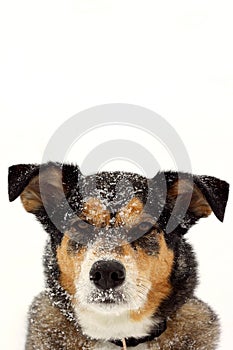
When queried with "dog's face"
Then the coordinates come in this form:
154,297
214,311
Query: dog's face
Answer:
115,257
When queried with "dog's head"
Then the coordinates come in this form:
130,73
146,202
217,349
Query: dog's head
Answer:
117,240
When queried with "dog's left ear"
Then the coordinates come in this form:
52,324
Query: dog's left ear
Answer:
215,191
205,194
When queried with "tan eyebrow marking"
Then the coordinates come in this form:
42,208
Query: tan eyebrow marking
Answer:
130,213
95,213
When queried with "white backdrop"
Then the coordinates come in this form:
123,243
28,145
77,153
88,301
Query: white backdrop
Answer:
60,57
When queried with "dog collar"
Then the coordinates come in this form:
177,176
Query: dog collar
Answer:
155,333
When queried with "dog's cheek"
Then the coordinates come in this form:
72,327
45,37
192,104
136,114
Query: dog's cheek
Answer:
158,270
69,264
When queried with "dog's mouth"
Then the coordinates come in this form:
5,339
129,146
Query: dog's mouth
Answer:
106,297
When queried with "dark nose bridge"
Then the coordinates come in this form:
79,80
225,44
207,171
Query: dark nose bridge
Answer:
107,274
110,242
112,237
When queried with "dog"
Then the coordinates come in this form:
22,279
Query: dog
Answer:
119,272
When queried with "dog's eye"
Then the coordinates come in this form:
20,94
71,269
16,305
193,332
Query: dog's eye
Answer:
145,226
73,245
81,231
80,225
140,230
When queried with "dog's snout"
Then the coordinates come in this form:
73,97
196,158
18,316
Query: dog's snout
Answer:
106,274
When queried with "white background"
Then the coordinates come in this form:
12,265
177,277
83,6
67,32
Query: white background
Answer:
60,57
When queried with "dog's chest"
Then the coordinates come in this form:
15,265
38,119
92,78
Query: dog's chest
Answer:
99,326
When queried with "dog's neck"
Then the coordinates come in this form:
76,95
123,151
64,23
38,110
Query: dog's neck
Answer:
155,333
62,301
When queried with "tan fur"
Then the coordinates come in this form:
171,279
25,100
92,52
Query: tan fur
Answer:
198,204
69,265
31,196
40,187
95,213
130,214
156,269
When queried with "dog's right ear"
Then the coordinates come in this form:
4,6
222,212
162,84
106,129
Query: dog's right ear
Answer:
41,185
19,177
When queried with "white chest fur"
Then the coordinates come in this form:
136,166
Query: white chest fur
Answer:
101,325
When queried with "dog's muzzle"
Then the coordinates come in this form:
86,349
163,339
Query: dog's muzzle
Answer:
107,274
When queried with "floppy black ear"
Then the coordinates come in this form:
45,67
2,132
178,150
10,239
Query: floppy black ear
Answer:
215,191
18,178
205,194
39,185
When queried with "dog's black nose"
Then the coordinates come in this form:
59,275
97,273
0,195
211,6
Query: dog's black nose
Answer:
107,274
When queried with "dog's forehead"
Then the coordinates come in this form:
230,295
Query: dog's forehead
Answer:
113,189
